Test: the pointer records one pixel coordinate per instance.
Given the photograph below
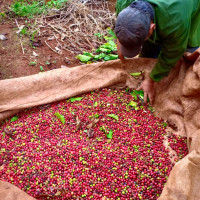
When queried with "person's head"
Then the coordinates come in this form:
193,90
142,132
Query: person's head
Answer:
133,26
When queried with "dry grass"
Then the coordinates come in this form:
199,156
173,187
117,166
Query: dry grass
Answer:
74,26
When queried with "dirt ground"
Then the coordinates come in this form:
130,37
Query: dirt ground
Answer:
16,53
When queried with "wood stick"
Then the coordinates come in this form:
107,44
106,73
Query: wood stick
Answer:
20,38
50,47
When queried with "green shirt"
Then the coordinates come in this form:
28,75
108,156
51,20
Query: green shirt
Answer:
177,26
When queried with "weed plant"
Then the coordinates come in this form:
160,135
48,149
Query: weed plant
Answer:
106,51
29,9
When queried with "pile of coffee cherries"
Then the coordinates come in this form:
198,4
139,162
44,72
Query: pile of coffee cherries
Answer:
105,144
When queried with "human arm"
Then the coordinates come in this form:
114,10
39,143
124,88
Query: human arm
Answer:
166,62
173,38
163,67
148,84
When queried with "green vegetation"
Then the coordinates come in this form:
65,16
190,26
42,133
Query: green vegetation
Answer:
2,14
41,69
23,8
107,51
24,31
32,63
56,3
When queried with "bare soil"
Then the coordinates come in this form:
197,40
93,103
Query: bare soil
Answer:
16,52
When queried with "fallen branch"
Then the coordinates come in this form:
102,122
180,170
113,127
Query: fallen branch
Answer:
20,38
92,18
51,47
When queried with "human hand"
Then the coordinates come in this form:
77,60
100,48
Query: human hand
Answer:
148,87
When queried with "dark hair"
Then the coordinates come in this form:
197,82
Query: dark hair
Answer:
143,6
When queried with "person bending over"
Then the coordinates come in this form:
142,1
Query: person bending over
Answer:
162,29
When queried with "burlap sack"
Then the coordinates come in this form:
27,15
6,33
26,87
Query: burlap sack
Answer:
11,192
183,182
177,100
51,86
